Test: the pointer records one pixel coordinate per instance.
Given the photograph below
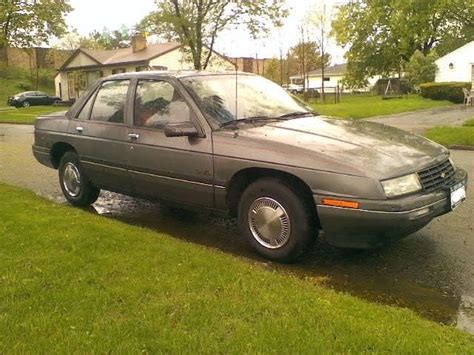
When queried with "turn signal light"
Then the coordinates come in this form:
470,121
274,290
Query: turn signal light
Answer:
340,203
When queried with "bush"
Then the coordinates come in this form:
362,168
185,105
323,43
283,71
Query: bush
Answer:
444,91
25,86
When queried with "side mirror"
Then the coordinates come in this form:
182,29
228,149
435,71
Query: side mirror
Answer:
181,129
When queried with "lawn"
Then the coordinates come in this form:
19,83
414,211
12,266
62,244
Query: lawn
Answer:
450,136
14,81
469,123
26,115
363,106
75,282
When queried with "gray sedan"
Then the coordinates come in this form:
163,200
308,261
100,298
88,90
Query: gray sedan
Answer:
239,144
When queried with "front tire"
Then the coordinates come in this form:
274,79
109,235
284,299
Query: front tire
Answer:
26,104
75,185
277,219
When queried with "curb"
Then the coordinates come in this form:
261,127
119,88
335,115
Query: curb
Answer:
461,147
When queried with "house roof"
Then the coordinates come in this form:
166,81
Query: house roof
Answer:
338,69
463,49
123,55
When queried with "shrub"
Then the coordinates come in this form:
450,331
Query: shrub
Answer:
25,86
444,91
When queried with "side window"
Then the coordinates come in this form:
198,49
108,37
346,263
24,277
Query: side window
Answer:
158,103
109,104
86,109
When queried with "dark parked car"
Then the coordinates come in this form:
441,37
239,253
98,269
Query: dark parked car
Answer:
31,98
189,139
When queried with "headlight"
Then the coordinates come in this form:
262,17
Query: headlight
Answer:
402,185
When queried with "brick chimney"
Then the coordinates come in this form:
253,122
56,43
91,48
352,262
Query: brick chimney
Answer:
138,42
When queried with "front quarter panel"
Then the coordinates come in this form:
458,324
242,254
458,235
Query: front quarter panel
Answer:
233,155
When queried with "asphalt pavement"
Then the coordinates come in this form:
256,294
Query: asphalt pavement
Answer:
431,272
420,121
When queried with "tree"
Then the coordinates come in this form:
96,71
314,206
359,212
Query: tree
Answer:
319,18
31,23
197,23
107,39
69,41
381,36
421,69
306,57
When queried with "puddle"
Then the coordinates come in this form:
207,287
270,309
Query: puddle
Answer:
382,276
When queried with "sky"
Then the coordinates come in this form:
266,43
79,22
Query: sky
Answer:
89,15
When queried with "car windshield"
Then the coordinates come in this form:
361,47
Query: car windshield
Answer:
227,98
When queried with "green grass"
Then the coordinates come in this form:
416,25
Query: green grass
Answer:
75,282
449,136
363,106
469,123
14,81
12,86
26,115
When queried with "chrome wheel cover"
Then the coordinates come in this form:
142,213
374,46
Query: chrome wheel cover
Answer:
269,223
72,180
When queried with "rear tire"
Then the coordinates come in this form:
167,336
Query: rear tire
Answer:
277,219
75,185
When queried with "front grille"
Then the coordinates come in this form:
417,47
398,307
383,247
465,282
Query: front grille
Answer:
437,176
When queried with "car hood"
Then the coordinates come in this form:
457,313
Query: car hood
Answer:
350,147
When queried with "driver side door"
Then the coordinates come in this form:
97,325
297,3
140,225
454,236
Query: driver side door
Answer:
177,169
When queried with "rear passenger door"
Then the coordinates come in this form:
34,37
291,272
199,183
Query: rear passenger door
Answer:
178,169
100,136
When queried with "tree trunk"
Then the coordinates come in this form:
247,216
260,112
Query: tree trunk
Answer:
4,55
281,66
323,64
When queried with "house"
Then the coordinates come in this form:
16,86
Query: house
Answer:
333,77
457,65
85,66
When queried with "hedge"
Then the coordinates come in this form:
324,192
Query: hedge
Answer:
451,91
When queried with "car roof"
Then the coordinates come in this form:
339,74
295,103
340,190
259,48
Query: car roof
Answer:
174,74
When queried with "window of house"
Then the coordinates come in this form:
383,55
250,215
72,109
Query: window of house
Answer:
81,83
71,86
158,103
109,104
141,68
327,78
118,70
159,67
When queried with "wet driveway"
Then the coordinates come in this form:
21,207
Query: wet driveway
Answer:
431,272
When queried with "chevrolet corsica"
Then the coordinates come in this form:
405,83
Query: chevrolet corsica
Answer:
238,143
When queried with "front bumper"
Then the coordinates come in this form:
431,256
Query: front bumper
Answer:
380,222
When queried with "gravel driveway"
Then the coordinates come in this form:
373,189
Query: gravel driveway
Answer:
431,272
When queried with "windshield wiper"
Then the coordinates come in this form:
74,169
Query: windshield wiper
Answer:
267,118
247,120
297,114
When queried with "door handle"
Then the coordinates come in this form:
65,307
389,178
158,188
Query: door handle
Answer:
133,136
79,129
